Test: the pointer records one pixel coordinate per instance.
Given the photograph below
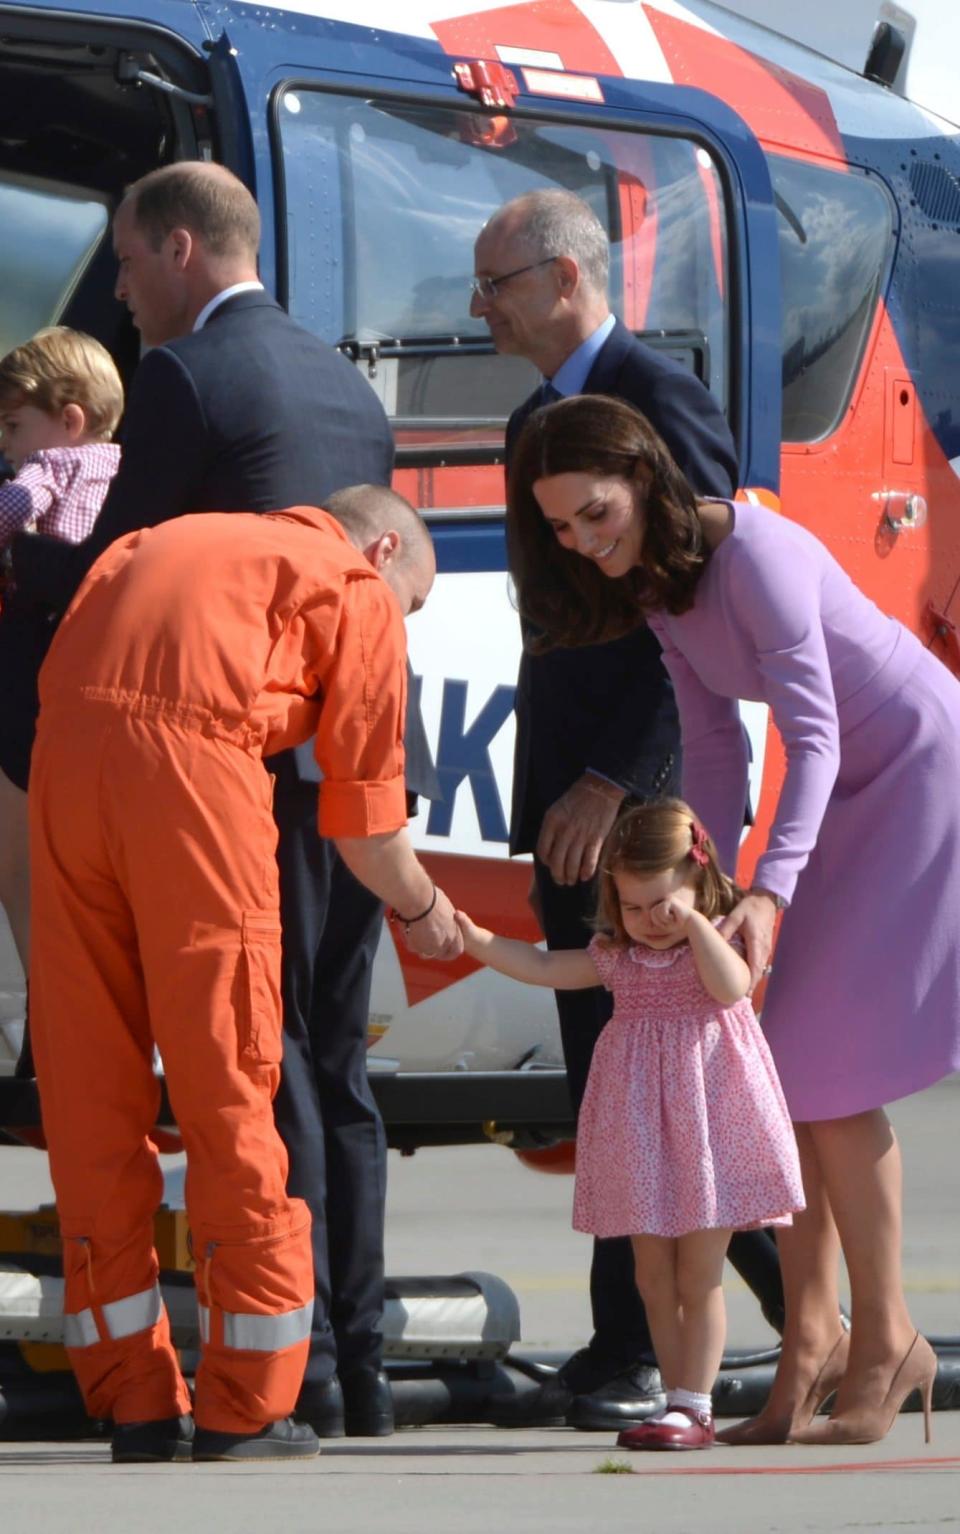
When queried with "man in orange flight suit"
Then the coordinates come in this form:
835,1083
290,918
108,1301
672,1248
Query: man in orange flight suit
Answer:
192,650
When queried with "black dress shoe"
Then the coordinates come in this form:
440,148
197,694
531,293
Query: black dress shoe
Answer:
630,1397
164,1440
585,1370
368,1403
278,1440
321,1405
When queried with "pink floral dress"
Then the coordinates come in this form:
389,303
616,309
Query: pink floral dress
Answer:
683,1126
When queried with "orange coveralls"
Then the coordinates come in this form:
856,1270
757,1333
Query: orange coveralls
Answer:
192,650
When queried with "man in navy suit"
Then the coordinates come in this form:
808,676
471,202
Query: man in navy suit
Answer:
597,724
236,408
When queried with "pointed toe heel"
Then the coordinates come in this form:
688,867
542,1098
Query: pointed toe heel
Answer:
917,1370
757,1431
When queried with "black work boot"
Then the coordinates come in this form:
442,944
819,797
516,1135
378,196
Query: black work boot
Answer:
168,1438
278,1440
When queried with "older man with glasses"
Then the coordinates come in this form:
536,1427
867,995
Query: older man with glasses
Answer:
599,724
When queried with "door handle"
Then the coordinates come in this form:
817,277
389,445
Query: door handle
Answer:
903,510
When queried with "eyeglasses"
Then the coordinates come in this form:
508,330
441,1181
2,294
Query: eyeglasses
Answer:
487,287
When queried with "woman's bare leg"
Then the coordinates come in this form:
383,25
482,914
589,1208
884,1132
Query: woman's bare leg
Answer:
860,1165
15,866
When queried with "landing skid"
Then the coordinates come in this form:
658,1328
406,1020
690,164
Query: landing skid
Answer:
449,1345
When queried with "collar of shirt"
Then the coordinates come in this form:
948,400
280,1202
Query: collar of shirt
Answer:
221,298
571,377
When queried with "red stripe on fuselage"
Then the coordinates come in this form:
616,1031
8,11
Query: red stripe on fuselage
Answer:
549,26
782,108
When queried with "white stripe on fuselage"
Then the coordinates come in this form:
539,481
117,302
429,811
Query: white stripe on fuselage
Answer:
627,32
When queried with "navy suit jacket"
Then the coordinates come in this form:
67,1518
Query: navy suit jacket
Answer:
251,413
610,707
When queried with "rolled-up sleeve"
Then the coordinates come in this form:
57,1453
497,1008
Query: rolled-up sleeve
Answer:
359,742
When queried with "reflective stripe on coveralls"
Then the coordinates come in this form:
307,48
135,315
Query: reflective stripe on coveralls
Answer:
122,1318
260,1333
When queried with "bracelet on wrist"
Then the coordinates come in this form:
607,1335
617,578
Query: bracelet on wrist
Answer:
408,921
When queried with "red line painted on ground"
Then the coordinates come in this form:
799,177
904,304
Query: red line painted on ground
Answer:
859,1466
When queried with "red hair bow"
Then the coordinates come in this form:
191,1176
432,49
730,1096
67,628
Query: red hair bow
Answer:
699,851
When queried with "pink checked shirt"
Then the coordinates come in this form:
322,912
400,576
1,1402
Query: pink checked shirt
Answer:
58,491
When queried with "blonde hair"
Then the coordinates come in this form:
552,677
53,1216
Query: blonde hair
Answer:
653,839
59,367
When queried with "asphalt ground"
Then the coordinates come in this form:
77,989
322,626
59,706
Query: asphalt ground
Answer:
479,1208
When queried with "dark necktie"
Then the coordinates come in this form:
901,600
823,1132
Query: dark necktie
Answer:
548,393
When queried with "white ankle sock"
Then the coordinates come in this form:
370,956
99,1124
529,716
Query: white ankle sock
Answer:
689,1399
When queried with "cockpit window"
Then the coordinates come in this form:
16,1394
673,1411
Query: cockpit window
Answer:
835,244
48,234
384,201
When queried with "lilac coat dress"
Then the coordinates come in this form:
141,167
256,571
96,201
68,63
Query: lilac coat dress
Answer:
863,1005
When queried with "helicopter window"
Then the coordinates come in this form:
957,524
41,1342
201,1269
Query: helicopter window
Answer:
384,200
48,234
835,244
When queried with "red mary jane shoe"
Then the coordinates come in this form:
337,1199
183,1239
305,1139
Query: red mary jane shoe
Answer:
696,1434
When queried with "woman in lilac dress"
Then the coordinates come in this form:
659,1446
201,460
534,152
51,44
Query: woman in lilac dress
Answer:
863,1006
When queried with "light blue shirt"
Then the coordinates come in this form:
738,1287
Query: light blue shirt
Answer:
571,377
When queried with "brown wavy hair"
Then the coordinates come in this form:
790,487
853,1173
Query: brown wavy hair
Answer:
561,594
654,838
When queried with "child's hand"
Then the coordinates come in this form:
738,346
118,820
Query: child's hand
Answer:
475,938
670,916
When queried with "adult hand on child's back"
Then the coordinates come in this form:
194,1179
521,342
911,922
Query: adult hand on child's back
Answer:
754,918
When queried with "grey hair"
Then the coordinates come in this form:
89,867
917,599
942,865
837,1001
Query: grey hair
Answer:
559,223
367,511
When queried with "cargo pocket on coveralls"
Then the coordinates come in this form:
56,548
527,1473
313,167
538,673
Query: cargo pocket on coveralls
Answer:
258,1002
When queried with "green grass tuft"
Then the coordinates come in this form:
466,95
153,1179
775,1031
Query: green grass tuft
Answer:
611,1466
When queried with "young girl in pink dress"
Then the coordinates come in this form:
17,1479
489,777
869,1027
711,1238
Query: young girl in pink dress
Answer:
683,1134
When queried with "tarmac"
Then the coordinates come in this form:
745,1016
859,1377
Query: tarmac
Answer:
478,1208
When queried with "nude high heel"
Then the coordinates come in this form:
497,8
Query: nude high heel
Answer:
755,1430
866,1424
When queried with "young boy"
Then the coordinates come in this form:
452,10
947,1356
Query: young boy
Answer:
60,401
